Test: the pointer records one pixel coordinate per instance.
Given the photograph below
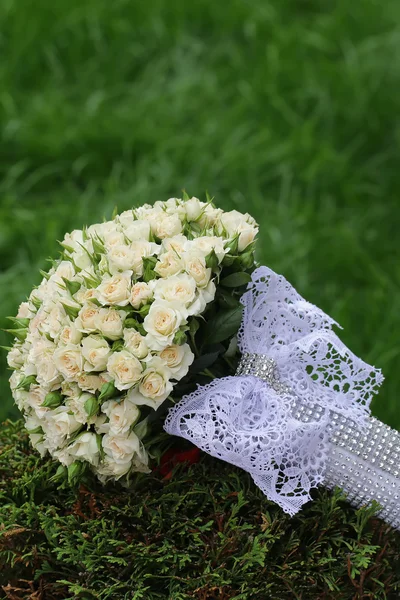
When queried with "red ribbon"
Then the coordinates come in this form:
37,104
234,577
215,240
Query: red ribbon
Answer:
174,456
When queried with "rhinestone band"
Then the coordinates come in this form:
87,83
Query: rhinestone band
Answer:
365,464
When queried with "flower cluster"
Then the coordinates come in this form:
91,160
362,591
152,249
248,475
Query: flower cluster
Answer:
106,333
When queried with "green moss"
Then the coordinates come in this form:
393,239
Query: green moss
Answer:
206,533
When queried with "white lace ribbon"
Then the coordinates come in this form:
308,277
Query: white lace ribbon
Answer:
290,355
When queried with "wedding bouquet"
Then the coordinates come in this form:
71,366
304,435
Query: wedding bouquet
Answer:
135,336
131,316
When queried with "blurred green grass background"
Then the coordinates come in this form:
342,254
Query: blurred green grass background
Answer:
288,109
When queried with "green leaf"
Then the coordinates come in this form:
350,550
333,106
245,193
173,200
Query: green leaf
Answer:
132,323
52,400
36,302
246,260
108,390
142,428
20,334
232,245
44,274
204,362
228,260
227,299
144,310
98,246
180,338
224,325
91,406
212,261
21,323
75,472
118,345
72,311
72,286
26,383
60,475
236,280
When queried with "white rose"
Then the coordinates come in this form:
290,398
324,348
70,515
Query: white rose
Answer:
195,266
64,270
15,379
39,293
115,290
121,258
203,297
208,292
127,217
85,448
18,395
69,361
109,469
135,343
206,244
169,263
110,323
125,369
121,448
82,256
84,295
141,212
113,239
175,206
70,389
26,311
101,424
73,240
35,398
41,356
140,462
141,293
162,322
90,383
86,320
15,358
32,423
102,230
62,455
142,250
154,386
164,225
235,222
179,288
70,334
193,208
55,322
138,230
96,351
209,216
178,359
232,220
121,415
76,404
246,237
176,243
59,425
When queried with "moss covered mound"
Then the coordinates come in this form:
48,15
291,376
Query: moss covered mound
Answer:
205,533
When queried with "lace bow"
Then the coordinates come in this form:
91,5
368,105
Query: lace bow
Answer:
249,421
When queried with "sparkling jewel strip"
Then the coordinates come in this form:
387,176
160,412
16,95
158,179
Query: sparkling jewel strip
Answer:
366,465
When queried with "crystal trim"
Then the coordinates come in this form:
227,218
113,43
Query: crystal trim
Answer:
364,463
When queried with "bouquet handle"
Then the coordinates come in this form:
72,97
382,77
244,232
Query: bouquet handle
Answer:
364,463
